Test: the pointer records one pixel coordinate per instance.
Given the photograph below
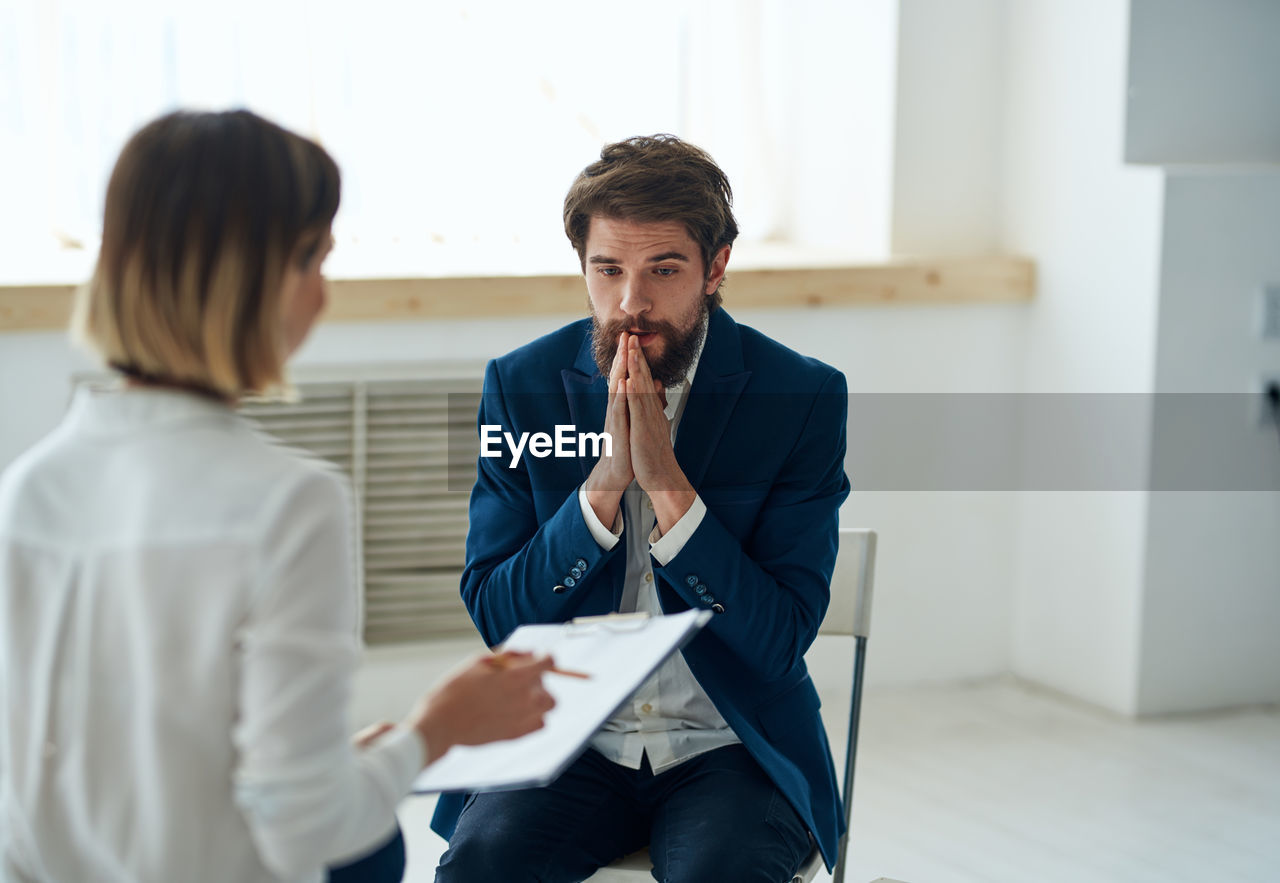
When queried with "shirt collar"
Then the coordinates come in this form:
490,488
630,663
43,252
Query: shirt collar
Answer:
112,409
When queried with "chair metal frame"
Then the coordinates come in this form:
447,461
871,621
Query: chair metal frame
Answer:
858,551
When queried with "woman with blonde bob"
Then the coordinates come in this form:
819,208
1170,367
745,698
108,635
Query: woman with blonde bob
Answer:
178,604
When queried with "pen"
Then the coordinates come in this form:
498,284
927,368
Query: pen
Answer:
500,661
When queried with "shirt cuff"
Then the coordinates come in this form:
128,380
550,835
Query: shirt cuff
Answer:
665,547
404,754
606,539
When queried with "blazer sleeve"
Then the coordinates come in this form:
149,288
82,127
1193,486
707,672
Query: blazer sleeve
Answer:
774,584
520,569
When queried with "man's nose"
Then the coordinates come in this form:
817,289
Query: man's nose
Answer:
635,297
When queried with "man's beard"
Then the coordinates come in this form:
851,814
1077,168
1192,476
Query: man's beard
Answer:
679,348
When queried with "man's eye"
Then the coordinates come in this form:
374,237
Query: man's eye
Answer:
609,271
666,271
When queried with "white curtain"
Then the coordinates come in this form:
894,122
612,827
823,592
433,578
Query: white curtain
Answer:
458,125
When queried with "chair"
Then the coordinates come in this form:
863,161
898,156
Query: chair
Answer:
848,614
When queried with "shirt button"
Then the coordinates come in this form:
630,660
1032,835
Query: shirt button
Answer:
646,708
648,504
648,577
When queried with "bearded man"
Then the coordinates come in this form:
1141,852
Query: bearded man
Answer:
720,493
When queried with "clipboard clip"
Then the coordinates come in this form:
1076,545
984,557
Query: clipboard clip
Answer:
614,622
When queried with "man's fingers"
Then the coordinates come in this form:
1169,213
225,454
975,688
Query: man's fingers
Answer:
619,367
634,359
639,380
637,364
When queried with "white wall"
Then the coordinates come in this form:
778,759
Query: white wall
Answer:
1212,593
1159,602
1092,225
1009,140
943,586
1204,83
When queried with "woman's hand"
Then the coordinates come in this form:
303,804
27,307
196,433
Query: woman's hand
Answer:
494,697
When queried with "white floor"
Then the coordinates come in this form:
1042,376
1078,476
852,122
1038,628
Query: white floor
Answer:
996,782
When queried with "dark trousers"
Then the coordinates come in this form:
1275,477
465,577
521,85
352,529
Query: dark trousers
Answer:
385,864
714,817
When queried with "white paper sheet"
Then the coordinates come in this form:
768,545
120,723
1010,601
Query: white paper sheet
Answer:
619,655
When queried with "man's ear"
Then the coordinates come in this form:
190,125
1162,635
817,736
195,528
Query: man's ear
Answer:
715,273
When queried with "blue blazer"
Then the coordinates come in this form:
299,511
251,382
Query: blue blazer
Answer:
762,440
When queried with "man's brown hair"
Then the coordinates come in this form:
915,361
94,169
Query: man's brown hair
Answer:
654,178
204,213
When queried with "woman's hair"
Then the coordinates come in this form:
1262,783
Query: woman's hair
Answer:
204,213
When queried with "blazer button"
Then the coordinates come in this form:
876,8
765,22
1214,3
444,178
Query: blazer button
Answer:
691,579
559,590
718,608
570,581
708,599
700,589
581,564
576,572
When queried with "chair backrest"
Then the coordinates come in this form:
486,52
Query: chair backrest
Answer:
852,585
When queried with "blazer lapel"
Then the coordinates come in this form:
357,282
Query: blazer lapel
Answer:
585,388
718,383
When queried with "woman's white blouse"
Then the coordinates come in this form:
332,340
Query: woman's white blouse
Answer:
178,631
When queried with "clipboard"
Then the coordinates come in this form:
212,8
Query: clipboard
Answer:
619,652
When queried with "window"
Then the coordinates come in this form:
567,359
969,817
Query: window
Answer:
458,125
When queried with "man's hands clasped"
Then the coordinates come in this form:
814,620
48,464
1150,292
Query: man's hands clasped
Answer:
642,448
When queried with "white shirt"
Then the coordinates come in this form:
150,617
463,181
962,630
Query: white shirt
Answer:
178,632
670,718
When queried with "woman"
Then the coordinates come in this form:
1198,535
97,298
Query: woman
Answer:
178,611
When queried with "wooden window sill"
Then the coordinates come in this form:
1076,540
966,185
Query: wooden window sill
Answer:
907,281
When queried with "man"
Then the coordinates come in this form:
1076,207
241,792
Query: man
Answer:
720,493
